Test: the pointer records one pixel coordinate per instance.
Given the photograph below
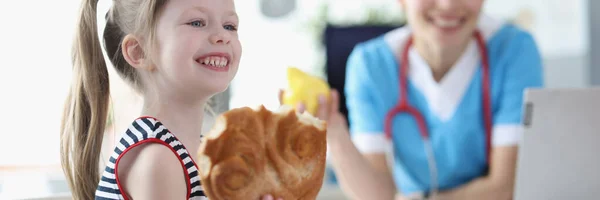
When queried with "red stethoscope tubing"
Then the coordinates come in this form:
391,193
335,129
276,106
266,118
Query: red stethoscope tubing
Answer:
404,107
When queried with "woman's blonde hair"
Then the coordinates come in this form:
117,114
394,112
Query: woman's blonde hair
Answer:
86,108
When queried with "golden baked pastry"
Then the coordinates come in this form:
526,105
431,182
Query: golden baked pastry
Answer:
249,153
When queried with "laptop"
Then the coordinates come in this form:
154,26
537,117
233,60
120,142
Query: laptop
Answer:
559,157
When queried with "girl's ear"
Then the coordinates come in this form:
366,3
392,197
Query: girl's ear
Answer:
134,53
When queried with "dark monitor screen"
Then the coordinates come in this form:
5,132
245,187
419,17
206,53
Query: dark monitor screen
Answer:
339,43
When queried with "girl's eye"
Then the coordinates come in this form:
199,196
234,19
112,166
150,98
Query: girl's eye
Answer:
230,27
197,23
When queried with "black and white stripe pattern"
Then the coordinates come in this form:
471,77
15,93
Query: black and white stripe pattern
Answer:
139,131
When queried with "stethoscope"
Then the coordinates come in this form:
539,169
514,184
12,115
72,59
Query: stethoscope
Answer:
403,106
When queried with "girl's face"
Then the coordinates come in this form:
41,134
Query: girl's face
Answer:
444,22
198,47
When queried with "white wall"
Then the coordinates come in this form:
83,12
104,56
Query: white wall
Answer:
35,71
561,29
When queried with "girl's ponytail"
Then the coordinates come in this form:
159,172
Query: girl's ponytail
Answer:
86,108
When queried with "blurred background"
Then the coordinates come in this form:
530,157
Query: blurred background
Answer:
313,35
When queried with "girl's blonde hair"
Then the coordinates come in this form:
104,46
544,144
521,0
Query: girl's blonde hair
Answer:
86,108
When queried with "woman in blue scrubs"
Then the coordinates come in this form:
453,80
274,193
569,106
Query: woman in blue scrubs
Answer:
463,81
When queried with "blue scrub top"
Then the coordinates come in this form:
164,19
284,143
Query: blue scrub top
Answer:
452,107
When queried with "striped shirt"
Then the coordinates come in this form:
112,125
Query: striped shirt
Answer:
147,130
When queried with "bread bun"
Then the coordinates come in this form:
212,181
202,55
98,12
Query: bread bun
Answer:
250,153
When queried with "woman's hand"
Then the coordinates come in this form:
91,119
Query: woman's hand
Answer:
328,111
269,197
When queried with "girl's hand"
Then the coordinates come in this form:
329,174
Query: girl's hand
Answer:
269,197
328,111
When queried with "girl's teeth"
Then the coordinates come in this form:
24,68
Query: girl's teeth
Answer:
215,61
